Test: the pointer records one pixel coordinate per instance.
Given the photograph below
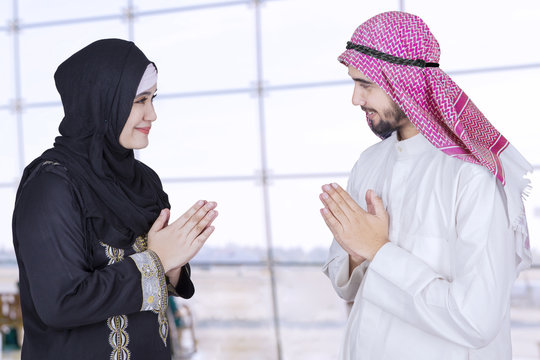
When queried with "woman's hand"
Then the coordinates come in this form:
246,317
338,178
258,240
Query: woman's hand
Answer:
179,242
174,276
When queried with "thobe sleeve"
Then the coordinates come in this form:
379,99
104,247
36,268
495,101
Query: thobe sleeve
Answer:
337,270
469,308
66,291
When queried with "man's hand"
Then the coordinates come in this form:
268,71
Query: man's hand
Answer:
360,233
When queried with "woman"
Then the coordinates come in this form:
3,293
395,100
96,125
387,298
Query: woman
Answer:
96,255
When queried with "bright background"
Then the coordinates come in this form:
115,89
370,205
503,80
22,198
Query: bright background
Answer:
254,112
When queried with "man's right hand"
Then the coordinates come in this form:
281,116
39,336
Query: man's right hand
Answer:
360,233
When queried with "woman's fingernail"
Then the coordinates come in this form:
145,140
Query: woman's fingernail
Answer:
334,185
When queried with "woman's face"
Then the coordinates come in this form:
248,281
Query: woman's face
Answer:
135,132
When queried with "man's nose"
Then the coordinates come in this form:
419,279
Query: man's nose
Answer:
358,98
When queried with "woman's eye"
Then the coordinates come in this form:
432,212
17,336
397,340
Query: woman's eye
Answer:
153,97
142,100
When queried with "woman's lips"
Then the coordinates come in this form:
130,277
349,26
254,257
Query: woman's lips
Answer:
145,130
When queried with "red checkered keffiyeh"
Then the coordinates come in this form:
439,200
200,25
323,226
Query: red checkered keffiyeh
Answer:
398,52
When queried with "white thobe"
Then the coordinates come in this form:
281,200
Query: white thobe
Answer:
440,289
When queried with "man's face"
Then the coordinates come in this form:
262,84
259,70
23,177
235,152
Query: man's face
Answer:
383,114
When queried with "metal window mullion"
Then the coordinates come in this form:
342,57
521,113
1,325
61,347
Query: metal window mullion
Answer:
18,105
131,20
264,176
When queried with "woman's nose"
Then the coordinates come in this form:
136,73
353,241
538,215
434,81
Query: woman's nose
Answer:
151,113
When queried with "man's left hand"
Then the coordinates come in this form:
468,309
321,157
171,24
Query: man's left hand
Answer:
360,233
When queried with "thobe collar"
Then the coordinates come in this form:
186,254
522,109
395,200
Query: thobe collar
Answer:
412,146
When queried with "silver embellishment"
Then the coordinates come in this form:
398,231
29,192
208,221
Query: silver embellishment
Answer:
141,243
113,254
119,337
154,288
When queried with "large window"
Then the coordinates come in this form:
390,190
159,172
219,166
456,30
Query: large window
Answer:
254,112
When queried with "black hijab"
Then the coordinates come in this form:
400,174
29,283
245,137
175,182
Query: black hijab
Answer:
122,196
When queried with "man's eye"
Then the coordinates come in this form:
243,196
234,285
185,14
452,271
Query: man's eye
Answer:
363,84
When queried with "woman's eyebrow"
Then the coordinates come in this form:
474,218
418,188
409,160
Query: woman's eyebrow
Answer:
143,93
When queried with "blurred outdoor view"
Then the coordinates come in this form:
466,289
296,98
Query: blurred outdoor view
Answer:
255,112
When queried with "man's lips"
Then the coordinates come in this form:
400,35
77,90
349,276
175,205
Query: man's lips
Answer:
145,130
369,112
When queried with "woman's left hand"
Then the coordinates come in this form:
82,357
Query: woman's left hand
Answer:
174,275
179,242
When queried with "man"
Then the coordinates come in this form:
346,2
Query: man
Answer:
431,233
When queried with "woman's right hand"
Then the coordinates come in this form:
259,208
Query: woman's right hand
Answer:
179,242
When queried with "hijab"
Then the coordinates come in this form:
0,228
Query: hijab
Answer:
122,197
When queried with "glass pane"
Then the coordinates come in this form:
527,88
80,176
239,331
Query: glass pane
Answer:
239,235
7,90
303,45
37,76
9,150
145,5
299,233
479,40
40,127
40,11
7,194
200,50
232,312
315,130
6,12
312,327
203,136
532,206
505,98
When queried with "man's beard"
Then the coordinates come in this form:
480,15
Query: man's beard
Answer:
388,123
